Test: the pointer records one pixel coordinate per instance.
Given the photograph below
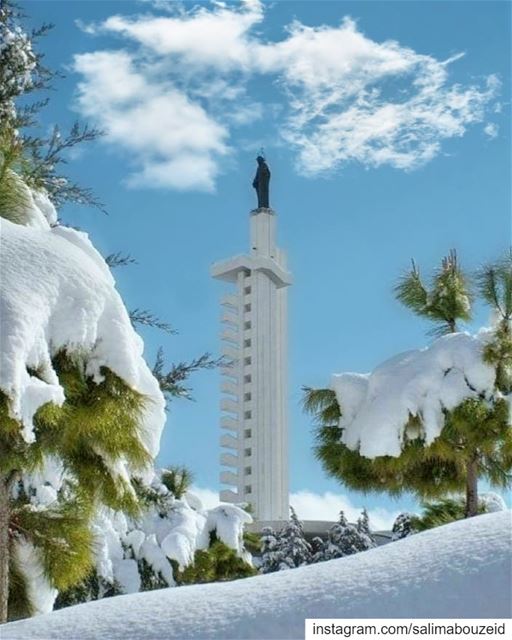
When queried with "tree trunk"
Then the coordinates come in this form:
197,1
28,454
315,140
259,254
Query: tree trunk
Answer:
472,487
4,546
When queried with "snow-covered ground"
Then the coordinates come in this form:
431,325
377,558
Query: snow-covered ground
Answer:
459,570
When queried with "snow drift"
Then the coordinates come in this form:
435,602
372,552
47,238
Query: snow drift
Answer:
376,407
461,570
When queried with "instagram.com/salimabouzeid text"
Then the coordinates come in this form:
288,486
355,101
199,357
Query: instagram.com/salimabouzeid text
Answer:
326,629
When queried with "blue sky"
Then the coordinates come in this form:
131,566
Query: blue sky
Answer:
384,144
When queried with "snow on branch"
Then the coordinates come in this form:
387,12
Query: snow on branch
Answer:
376,407
58,294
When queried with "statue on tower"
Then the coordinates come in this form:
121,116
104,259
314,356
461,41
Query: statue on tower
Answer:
261,182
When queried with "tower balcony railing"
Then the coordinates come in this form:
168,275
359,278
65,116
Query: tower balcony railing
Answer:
230,352
229,335
229,318
226,386
226,422
231,406
229,460
229,372
228,477
229,300
228,442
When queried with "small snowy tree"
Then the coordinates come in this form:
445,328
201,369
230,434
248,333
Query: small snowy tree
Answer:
317,550
295,549
403,526
345,538
271,553
363,528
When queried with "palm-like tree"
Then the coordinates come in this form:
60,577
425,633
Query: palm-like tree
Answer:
446,302
494,282
476,439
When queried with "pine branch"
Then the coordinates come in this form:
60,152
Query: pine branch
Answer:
118,259
411,292
46,154
447,300
172,381
148,319
178,480
322,405
494,282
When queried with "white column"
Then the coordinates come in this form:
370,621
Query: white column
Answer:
255,388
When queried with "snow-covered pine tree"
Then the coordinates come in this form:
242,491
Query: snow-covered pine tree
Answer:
345,538
271,553
363,527
402,526
476,432
90,423
317,550
295,549
59,401
471,439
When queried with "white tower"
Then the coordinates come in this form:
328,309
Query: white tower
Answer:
254,406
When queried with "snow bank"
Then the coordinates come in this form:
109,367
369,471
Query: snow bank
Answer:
461,570
376,407
57,292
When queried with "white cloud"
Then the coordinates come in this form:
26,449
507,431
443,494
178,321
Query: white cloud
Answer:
173,141
316,506
491,129
216,37
174,98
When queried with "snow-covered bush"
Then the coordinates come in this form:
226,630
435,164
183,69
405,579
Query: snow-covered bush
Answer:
153,549
271,555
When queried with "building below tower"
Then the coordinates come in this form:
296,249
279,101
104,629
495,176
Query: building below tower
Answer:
254,419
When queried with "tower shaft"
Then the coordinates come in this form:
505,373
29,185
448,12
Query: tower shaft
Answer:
254,403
